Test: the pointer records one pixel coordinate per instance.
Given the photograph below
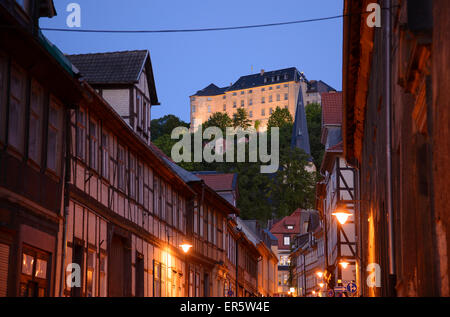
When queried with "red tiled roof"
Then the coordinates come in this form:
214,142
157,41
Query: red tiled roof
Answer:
332,108
218,182
279,229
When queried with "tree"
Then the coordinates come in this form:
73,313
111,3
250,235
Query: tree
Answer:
241,120
220,120
165,125
293,186
279,118
314,121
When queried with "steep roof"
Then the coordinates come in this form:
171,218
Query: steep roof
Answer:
113,67
332,108
300,135
211,90
256,80
219,181
318,86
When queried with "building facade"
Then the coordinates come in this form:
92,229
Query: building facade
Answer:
336,193
37,90
396,131
259,94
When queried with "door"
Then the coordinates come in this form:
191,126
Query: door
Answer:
119,268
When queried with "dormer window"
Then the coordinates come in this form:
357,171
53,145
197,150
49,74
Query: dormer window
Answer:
290,227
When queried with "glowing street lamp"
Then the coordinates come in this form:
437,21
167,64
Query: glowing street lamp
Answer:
344,264
321,285
342,215
185,247
319,274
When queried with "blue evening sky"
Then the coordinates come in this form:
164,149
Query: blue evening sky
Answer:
186,62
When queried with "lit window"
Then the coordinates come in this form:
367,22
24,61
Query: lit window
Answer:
287,240
290,227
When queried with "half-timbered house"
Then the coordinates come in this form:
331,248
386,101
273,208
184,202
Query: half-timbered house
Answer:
37,89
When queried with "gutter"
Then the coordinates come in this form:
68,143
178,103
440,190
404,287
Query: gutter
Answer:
388,31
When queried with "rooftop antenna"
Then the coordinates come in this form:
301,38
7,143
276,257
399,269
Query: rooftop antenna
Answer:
251,71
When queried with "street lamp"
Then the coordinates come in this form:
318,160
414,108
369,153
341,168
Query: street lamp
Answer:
319,274
321,285
342,215
344,264
185,247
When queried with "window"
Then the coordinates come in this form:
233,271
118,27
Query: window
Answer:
224,97
34,273
270,110
93,147
250,114
144,116
209,99
234,94
265,79
242,92
289,227
90,281
36,111
273,78
54,142
209,109
140,182
286,240
278,87
105,155
263,100
102,269
81,128
17,109
270,88
139,109
250,102
285,77
263,112
270,98
286,96
192,98
224,107
242,103
234,104
132,171
286,85
250,91
3,83
278,97
193,108
121,168
263,89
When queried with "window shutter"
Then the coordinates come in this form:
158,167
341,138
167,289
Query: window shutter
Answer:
4,259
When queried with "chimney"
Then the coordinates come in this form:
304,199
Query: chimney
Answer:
262,72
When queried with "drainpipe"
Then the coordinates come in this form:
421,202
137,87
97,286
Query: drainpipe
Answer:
66,198
388,30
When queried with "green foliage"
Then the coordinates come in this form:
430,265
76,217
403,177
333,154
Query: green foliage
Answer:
314,121
165,125
279,118
261,196
241,120
220,120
